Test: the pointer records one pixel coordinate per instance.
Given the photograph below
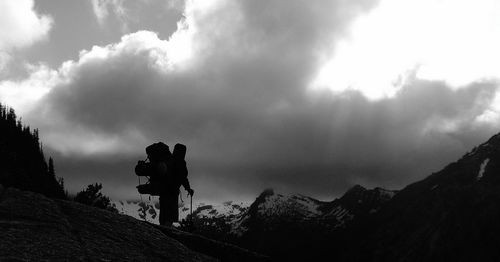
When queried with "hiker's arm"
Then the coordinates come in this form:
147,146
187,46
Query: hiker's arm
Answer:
188,188
185,181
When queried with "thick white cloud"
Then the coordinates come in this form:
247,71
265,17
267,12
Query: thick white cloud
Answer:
21,26
233,83
450,40
25,94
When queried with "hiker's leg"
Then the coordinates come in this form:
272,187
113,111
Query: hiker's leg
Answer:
162,211
175,210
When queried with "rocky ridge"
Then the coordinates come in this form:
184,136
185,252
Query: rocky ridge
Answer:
36,228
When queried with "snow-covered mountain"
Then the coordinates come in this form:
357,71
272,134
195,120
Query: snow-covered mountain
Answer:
451,215
149,210
285,225
270,209
229,210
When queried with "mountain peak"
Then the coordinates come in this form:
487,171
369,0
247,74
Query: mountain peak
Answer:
267,192
262,198
356,189
359,200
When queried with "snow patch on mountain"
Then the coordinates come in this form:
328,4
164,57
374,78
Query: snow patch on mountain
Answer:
277,205
482,168
386,193
341,215
226,209
142,210
146,210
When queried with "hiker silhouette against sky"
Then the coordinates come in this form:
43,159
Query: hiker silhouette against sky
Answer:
172,172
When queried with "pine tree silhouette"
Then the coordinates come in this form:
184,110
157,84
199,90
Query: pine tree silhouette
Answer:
51,170
92,196
23,163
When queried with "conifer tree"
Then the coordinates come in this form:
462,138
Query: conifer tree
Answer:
92,196
52,172
23,162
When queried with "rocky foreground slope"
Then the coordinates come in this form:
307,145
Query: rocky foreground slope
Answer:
37,228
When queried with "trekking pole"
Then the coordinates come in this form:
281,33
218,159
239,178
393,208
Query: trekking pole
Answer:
139,184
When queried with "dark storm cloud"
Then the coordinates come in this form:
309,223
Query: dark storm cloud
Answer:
243,108
323,148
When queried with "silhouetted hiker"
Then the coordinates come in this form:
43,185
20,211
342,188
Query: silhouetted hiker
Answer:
159,156
177,174
166,173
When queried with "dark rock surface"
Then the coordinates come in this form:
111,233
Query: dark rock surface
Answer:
223,251
37,228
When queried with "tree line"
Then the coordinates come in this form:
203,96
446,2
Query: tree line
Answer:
23,163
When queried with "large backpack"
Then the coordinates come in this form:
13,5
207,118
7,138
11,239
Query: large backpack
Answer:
156,184
179,169
158,151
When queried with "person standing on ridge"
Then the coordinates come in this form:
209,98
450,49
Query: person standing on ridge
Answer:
159,155
176,176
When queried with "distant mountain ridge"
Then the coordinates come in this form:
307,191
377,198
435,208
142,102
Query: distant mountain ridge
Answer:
272,218
286,226
451,215
270,208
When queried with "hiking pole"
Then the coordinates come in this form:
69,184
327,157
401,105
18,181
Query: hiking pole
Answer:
139,184
191,224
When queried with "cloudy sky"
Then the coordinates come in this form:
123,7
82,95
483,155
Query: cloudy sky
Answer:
302,96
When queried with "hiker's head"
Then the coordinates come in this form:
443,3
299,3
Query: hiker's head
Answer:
179,151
